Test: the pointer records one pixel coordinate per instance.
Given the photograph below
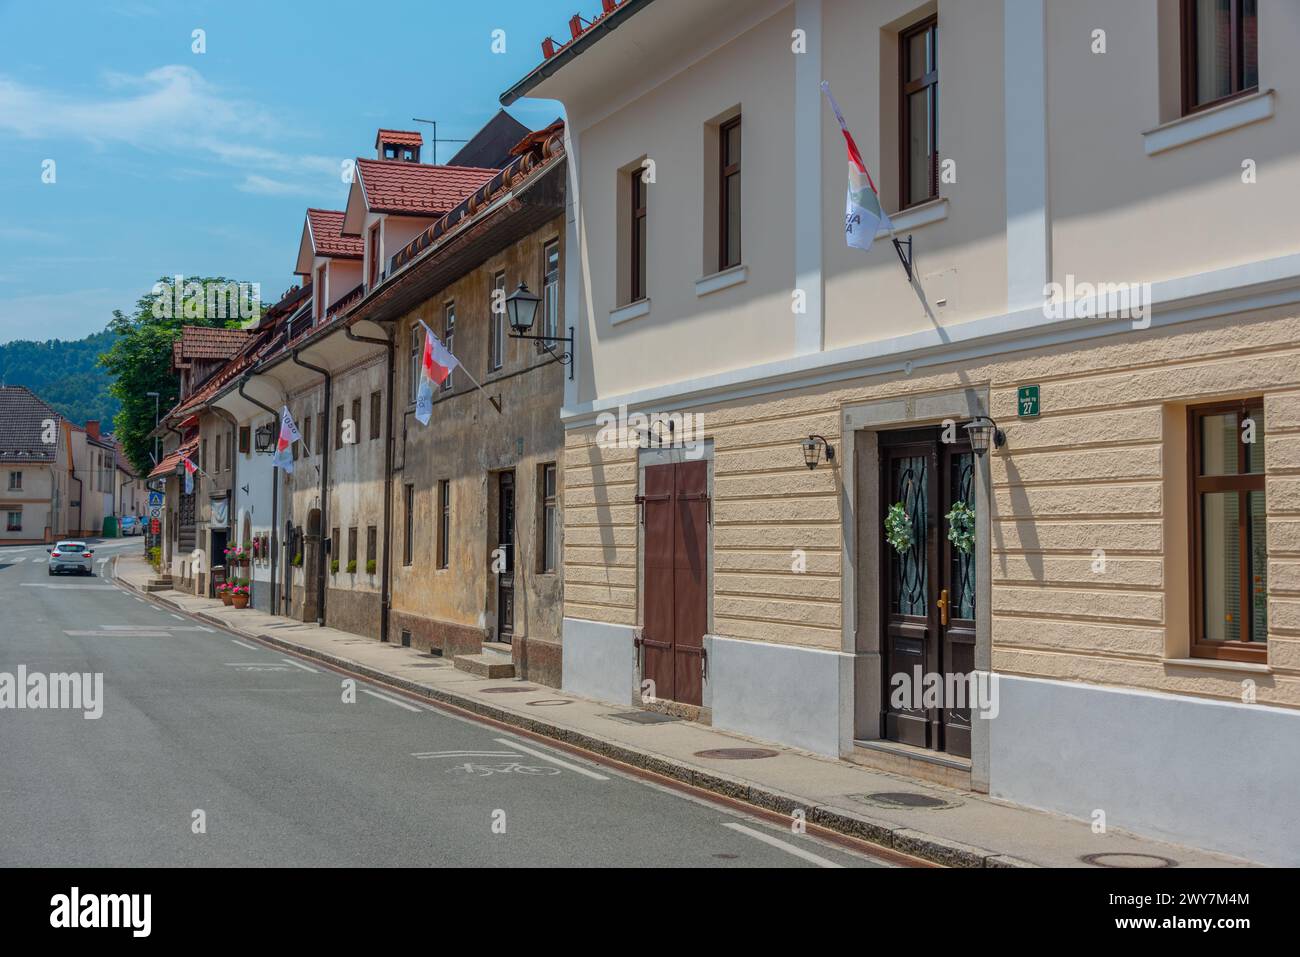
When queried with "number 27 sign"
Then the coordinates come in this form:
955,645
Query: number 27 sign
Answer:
1027,404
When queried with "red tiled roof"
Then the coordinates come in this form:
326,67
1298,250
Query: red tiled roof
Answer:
205,342
327,237
172,459
399,137
415,189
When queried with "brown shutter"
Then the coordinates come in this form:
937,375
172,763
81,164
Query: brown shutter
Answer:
690,541
657,628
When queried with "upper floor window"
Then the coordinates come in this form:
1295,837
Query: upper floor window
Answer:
373,256
497,323
729,194
1229,531
415,360
550,290
919,112
318,294
449,339
1220,51
15,521
637,238
376,414
15,481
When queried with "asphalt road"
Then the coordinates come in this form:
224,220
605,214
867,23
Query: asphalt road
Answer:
288,773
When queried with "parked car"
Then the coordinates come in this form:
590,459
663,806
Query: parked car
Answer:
130,525
75,557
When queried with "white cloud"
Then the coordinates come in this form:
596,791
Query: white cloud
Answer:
264,185
171,110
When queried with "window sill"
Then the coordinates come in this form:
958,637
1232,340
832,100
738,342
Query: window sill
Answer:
1220,664
1210,122
633,310
914,217
725,279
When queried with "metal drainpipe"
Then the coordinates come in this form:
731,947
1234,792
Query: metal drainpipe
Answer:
324,477
385,596
275,495
232,519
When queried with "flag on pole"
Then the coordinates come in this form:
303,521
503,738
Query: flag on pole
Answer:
283,457
863,214
435,366
190,469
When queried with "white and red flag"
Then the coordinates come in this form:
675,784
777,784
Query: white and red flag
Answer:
283,457
435,366
190,469
863,214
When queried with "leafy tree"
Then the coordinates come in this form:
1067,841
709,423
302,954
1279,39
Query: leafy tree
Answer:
140,357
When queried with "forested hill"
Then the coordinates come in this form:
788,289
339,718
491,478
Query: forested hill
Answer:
67,375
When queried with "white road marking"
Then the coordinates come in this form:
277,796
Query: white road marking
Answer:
178,617
142,633
783,845
546,757
249,647
383,697
298,664
66,585
463,754
208,630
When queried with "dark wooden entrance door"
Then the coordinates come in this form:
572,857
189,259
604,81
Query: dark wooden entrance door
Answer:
927,591
506,542
675,512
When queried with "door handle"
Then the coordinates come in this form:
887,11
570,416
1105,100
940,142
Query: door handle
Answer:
943,607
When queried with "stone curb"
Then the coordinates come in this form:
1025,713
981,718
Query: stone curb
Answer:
895,837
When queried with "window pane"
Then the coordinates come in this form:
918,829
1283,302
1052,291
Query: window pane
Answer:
1221,561
918,146
1219,444
918,55
731,151
1255,449
640,262
1257,542
1249,44
1213,49
733,220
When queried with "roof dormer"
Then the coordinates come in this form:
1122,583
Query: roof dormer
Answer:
401,145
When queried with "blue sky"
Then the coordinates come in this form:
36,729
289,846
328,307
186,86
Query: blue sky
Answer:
168,161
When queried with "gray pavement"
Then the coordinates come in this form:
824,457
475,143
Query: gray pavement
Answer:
287,772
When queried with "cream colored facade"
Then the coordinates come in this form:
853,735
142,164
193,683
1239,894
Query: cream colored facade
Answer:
1068,166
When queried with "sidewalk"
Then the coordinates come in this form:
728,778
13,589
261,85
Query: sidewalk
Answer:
962,829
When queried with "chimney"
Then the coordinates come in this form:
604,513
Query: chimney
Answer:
92,428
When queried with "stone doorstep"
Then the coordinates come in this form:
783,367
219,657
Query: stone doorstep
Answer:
486,665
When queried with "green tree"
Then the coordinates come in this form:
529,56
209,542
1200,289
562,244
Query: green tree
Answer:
140,358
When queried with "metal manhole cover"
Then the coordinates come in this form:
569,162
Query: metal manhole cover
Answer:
548,702
644,717
737,754
906,800
506,690
1124,859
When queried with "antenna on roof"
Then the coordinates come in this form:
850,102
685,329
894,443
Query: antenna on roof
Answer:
435,141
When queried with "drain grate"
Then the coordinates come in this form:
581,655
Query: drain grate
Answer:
737,754
1126,860
506,690
643,717
906,799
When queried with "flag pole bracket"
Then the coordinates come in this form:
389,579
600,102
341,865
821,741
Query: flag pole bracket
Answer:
905,257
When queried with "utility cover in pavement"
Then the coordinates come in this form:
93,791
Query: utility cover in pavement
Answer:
506,690
737,754
908,800
1128,860
644,717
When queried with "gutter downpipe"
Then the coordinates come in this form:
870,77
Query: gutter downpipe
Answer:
275,497
232,518
385,594
324,439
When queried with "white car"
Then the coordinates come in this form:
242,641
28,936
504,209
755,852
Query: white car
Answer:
75,557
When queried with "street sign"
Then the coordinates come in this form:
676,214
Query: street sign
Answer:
155,499
155,526
1027,402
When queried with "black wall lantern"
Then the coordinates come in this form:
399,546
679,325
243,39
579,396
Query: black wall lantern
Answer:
264,437
812,451
521,310
982,430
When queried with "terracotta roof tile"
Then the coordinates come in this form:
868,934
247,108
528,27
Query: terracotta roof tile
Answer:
205,342
173,459
327,237
415,189
399,137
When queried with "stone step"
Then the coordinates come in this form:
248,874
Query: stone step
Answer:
158,585
487,665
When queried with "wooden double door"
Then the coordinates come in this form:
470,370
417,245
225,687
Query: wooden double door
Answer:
675,513
927,590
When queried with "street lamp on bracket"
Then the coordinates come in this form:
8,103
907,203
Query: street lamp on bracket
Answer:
521,310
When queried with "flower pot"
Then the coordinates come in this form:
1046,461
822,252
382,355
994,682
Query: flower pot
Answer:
239,601
225,598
